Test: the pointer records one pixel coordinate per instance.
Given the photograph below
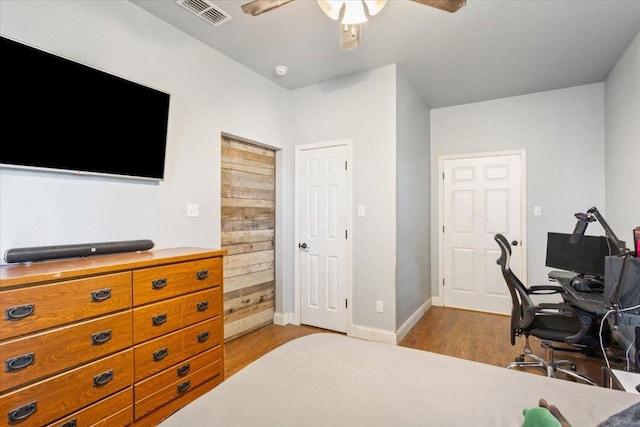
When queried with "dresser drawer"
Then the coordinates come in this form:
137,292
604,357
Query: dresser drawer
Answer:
157,355
157,283
201,306
46,401
153,384
151,321
27,310
114,411
37,356
202,336
176,389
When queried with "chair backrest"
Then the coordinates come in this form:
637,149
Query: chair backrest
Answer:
521,316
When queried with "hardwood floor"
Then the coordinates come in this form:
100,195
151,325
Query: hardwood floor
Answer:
239,352
470,335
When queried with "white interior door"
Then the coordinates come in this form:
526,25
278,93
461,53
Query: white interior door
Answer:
322,222
482,197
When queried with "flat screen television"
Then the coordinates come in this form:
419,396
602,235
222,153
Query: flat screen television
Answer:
61,115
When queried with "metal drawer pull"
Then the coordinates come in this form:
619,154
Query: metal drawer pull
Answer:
202,274
70,423
159,319
184,370
182,387
100,295
103,378
160,354
18,312
203,336
20,362
159,283
22,412
202,306
101,337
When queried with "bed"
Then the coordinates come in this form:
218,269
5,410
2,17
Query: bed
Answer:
332,380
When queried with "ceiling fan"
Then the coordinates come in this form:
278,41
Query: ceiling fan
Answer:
351,12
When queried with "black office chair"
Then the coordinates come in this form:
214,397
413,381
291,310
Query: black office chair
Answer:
550,322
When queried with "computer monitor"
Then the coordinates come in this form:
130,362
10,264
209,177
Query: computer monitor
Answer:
585,258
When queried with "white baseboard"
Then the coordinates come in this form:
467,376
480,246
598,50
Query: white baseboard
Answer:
366,332
412,320
282,319
372,334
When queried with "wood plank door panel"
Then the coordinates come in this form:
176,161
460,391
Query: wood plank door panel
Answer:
248,232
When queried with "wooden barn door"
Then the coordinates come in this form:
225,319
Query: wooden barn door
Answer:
248,220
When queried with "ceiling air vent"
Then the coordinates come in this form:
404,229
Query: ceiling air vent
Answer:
205,10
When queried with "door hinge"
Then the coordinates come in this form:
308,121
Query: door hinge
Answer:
346,303
346,234
443,176
442,282
345,165
443,228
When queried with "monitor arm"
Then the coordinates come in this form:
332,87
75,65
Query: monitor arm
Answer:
592,215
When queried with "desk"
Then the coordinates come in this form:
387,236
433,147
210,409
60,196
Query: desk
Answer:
563,278
615,378
623,329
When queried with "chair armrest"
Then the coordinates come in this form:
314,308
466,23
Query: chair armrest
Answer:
586,320
545,290
558,306
557,309
563,309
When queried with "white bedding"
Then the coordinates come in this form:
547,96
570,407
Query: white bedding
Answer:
333,380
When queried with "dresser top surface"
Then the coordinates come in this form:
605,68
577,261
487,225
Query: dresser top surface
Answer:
45,271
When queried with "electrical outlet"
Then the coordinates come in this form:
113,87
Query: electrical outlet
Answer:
379,306
193,210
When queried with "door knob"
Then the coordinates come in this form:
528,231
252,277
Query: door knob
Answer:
302,245
514,242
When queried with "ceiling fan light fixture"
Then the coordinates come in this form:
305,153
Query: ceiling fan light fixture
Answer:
374,6
353,13
331,8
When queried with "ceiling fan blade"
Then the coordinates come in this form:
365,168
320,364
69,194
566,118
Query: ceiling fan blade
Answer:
257,7
448,5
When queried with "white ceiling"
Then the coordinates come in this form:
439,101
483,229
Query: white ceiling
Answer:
486,50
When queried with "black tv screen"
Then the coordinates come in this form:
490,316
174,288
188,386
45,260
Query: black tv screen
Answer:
65,116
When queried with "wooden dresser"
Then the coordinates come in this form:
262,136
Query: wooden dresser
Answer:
109,340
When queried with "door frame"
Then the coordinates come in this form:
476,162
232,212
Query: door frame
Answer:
523,210
349,273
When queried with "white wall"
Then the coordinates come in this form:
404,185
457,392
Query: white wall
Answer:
622,149
361,107
413,276
210,94
562,132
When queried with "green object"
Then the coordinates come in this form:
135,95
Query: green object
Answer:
539,417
